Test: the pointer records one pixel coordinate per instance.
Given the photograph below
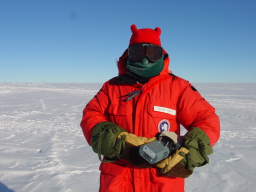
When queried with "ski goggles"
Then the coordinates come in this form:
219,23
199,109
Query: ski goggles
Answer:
138,52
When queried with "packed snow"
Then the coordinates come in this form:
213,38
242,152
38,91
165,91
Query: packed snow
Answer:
42,147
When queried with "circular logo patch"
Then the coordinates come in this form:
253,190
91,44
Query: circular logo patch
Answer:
164,125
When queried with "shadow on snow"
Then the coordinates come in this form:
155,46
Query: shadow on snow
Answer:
4,188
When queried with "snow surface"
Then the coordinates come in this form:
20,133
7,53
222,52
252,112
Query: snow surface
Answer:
42,148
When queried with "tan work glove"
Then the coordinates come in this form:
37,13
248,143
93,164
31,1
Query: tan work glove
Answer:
135,140
131,150
173,166
194,154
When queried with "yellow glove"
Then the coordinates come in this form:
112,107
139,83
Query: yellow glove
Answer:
169,163
134,140
130,150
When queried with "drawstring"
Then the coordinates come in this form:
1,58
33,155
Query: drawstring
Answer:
99,147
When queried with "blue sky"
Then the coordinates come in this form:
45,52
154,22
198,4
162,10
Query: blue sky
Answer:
81,40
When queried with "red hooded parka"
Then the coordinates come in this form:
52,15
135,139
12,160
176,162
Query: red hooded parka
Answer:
163,103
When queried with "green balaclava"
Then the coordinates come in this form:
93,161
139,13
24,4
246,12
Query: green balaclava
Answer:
145,69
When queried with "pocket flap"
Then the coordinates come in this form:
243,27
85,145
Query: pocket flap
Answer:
120,109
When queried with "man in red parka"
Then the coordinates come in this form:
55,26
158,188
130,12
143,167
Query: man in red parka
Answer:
144,101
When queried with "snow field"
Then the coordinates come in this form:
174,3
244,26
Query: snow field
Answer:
42,147
41,144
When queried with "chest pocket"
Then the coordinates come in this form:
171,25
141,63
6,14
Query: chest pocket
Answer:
120,113
164,118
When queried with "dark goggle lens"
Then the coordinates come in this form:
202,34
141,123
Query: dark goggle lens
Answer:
154,53
137,52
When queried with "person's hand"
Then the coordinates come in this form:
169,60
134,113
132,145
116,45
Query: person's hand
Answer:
198,144
113,142
105,140
130,151
183,162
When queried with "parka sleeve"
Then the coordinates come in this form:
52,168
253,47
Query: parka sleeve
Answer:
94,113
195,111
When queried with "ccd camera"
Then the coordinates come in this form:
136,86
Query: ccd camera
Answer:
156,151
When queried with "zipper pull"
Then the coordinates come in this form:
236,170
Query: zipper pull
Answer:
133,94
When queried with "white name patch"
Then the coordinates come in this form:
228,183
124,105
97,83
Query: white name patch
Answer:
165,110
